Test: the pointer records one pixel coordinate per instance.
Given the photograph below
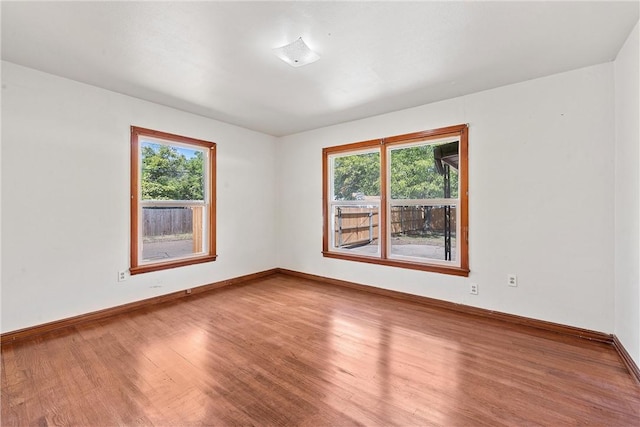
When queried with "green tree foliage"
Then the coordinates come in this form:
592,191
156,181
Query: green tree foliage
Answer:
356,176
413,175
169,175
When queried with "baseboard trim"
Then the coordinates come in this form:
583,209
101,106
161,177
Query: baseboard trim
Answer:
627,359
461,308
33,331
587,334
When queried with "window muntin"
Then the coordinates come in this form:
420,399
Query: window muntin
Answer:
173,201
416,218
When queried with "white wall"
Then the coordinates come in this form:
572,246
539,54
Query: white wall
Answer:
627,193
541,200
65,198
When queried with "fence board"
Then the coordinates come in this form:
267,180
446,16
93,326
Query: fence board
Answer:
352,225
356,225
407,219
166,221
197,217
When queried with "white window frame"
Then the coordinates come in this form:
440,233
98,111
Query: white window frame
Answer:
376,203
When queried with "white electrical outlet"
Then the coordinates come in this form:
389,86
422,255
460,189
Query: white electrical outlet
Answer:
473,289
512,280
122,275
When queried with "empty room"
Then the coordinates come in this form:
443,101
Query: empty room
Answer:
320,213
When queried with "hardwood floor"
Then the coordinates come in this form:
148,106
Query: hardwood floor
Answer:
289,351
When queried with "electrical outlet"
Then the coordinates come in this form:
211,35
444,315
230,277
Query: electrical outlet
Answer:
473,289
122,275
512,280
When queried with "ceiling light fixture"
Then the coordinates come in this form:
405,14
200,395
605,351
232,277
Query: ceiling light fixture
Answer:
296,54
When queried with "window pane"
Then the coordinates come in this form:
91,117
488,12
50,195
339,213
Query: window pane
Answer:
355,228
173,208
169,233
425,171
171,172
357,177
427,232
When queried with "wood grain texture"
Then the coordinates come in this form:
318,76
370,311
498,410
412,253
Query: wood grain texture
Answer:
464,197
381,145
210,200
627,359
383,240
34,331
461,308
286,350
434,268
134,164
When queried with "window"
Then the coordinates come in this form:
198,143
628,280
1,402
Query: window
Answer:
399,201
172,201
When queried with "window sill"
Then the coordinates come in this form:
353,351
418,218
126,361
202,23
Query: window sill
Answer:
147,268
434,268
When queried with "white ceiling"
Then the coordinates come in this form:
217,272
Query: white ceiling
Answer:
215,58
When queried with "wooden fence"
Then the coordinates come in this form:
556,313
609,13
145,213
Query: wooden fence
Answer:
415,219
357,225
167,221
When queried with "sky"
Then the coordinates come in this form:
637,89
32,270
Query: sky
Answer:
187,152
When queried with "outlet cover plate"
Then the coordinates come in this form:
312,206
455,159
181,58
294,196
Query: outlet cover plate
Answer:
473,289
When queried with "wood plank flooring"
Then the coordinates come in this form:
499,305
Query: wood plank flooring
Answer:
289,351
